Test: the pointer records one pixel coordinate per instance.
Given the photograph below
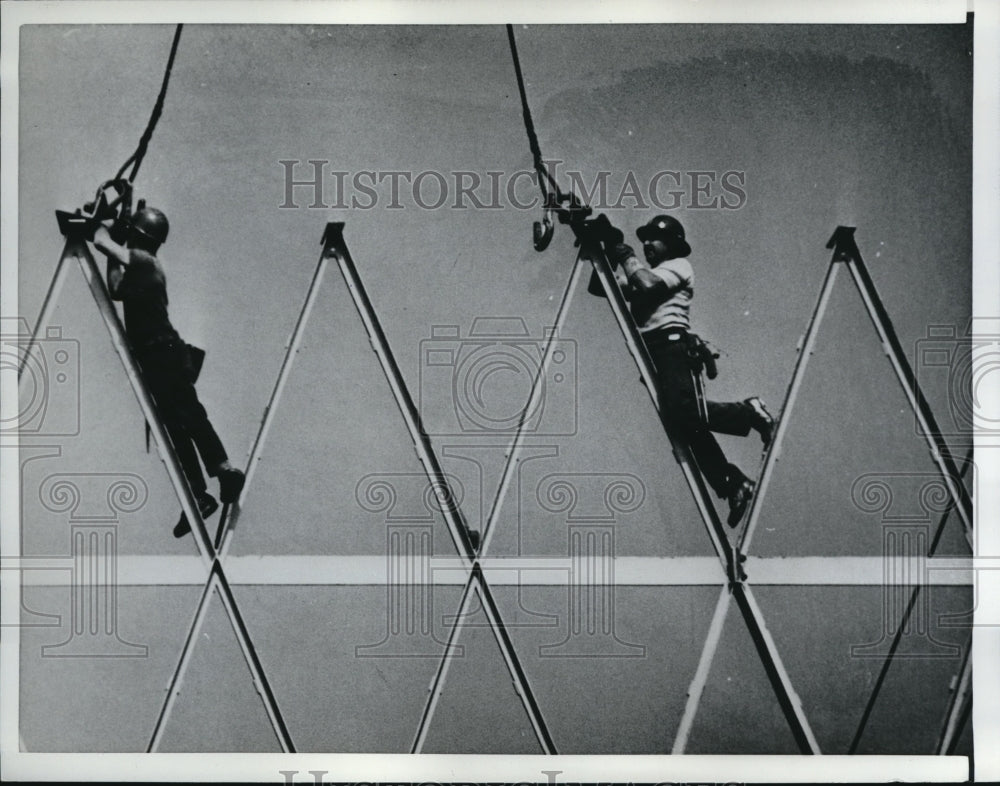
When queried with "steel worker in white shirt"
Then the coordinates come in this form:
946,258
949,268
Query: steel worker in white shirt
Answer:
659,291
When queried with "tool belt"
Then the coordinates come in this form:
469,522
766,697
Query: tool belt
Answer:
700,354
192,357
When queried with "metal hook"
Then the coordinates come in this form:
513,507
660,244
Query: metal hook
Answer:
543,230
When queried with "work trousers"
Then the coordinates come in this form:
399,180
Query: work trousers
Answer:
676,373
169,376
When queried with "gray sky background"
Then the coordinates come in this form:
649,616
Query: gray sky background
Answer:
866,126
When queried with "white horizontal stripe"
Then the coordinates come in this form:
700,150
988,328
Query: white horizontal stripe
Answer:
136,570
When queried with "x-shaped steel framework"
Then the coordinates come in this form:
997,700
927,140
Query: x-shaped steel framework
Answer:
845,252
213,552
76,248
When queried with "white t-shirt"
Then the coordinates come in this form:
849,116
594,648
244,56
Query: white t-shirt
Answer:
675,310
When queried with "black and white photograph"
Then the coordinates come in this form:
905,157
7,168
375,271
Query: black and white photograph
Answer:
395,393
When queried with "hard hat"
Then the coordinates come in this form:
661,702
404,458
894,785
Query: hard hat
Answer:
152,223
663,227
669,230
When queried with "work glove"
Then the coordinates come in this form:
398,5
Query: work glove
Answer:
618,252
89,228
616,255
119,230
602,230
613,237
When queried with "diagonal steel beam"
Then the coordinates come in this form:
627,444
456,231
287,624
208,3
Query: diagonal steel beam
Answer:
963,719
776,672
334,247
511,463
537,390
252,659
959,706
700,678
227,523
771,457
845,251
477,584
177,678
591,252
76,246
904,624
441,673
778,675
45,312
805,350
518,674
219,585
844,243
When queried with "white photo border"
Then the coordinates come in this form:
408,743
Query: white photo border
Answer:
446,768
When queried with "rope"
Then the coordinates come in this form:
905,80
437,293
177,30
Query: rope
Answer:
529,126
136,158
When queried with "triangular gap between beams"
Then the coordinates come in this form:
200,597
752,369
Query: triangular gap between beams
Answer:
877,360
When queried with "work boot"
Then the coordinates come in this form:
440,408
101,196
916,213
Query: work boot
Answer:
739,498
762,421
231,482
206,507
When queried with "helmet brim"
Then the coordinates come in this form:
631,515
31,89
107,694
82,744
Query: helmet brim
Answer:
678,245
646,232
138,230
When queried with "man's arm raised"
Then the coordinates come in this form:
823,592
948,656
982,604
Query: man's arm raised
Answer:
118,258
641,284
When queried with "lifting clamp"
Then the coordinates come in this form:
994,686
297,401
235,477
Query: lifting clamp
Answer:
112,202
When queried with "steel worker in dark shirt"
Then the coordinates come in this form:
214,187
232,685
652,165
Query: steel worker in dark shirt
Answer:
169,369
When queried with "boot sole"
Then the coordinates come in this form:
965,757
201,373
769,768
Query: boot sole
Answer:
183,527
230,486
734,520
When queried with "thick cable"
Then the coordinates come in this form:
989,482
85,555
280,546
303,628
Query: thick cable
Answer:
529,126
140,152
